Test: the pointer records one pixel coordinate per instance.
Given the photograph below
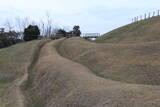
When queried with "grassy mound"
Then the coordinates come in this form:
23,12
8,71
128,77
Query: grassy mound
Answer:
131,63
54,81
59,82
142,31
13,64
38,74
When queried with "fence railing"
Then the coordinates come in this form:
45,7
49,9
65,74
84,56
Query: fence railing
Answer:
90,35
146,16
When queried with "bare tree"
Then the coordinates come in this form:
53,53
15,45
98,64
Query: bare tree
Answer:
26,22
149,15
42,27
145,16
19,23
48,24
22,23
9,24
141,17
154,13
158,12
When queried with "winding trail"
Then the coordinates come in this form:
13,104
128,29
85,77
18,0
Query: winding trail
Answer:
21,97
61,82
21,82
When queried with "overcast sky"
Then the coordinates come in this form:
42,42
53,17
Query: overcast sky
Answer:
99,16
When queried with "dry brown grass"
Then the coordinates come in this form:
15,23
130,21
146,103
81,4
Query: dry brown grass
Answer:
58,82
131,63
94,75
142,31
55,81
13,63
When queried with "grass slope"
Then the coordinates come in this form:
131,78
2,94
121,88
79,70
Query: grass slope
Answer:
13,64
60,82
55,81
142,31
131,63
75,72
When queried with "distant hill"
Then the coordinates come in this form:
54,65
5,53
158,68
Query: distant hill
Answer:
142,31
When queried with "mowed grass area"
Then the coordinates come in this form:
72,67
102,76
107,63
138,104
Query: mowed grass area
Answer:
142,31
13,64
130,63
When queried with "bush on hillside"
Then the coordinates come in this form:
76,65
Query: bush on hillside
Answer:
9,38
62,32
31,33
76,31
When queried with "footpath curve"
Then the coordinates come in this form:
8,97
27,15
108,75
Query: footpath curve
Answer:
60,82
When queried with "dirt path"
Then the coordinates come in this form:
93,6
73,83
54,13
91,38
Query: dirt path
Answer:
21,98
60,82
21,82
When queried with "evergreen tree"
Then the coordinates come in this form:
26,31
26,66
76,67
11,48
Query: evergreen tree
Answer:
76,31
31,33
